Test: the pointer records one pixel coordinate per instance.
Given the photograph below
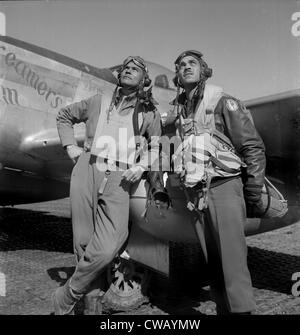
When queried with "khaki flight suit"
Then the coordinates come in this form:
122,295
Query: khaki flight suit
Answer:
100,221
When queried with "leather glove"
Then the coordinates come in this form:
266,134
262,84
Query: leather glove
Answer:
254,204
252,193
161,199
255,209
159,193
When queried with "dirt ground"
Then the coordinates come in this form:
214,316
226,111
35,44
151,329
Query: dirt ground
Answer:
36,257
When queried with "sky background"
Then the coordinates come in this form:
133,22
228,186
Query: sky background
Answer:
249,44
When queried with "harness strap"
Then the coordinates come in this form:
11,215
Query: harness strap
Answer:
135,120
223,166
203,201
223,138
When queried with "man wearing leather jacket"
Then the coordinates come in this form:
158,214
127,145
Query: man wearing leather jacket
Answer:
101,181
229,200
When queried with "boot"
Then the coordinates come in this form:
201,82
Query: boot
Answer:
93,302
64,300
221,311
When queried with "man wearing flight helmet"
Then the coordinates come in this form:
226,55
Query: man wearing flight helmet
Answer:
101,180
220,194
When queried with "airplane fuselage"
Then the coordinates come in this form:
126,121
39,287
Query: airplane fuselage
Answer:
35,83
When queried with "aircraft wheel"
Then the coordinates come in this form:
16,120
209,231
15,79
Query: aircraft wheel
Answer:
128,286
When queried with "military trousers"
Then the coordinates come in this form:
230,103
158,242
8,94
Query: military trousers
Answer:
99,221
225,248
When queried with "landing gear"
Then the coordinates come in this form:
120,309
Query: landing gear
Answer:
128,286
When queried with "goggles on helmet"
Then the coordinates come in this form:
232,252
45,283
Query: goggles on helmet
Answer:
138,61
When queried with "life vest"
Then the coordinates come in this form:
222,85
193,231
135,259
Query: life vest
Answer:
204,152
118,141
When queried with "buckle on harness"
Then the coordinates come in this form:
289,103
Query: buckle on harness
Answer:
203,200
202,196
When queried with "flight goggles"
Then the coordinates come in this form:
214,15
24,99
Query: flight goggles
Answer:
138,61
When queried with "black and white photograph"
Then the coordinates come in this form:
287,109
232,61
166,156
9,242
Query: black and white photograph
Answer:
150,160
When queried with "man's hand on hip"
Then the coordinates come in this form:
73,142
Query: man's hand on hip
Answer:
133,174
74,152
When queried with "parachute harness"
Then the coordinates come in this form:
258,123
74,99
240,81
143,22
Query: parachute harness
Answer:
201,201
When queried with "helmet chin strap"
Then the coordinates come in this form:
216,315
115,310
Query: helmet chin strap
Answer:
197,94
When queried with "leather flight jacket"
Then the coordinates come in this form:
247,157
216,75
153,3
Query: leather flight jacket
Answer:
235,121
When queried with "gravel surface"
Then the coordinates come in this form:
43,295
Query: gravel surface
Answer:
36,257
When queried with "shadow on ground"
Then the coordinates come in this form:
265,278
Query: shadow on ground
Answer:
272,270
184,290
179,294
27,229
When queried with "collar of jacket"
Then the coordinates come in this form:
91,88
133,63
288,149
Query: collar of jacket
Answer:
181,99
146,99
131,98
